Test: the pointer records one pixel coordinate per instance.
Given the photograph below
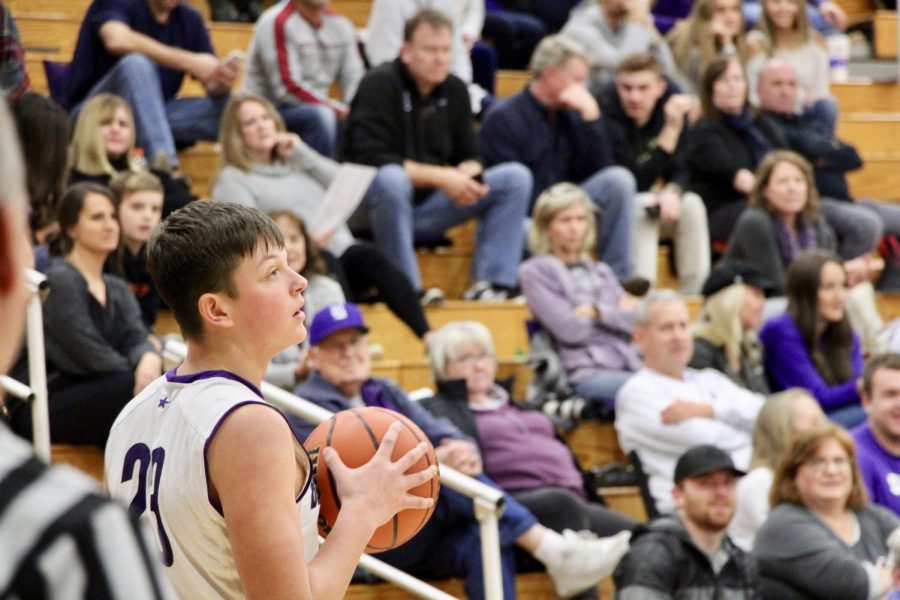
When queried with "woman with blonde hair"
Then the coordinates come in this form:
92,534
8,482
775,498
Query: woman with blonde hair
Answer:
102,146
578,300
783,416
725,334
714,28
264,166
823,539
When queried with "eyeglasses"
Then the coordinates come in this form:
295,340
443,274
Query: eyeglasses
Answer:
471,359
820,465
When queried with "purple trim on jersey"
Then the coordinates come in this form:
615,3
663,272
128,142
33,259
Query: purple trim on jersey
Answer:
212,434
173,377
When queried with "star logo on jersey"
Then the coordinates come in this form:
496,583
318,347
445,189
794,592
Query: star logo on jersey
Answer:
163,402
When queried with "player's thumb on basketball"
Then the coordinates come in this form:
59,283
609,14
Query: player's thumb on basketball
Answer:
333,460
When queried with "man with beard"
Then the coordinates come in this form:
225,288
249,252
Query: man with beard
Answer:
688,554
878,439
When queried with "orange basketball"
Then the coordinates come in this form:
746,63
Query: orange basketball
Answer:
356,434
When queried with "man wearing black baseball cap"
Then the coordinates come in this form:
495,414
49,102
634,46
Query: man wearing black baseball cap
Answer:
688,554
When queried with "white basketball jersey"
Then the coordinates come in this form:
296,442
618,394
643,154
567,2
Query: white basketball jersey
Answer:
156,464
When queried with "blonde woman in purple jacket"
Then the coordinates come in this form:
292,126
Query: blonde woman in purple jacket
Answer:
576,299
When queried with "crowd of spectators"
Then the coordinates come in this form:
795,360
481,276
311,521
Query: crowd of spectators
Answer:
719,139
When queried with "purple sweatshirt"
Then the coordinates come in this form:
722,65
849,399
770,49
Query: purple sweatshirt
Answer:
880,469
521,452
788,365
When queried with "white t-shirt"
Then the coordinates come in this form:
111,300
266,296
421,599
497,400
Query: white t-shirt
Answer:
752,507
639,425
156,463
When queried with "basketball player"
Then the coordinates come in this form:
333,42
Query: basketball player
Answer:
215,469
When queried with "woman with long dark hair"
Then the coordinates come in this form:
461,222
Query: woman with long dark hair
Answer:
813,346
98,351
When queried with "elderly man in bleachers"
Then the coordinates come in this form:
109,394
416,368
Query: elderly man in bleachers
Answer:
141,50
666,407
299,50
859,224
554,127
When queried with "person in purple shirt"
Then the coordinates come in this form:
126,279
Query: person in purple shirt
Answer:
141,50
812,345
878,439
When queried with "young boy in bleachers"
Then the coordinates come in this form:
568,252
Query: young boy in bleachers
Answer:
231,488
139,196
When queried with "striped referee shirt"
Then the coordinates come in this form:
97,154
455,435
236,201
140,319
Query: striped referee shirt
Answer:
60,539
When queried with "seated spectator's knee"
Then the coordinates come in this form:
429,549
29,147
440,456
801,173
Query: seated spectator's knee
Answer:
136,63
692,208
621,179
391,189
508,177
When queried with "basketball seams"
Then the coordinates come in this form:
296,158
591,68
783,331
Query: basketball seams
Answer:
405,421
349,435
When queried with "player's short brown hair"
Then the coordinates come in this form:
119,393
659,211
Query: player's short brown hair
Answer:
197,249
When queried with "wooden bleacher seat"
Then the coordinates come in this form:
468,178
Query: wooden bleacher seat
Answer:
885,33
85,458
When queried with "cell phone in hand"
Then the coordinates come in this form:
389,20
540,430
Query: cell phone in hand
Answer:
478,177
235,56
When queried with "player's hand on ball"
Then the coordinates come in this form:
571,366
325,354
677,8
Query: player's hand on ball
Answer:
379,487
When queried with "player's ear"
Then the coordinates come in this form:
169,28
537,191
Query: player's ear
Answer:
214,310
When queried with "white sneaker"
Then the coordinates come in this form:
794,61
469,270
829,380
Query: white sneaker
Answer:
432,297
586,560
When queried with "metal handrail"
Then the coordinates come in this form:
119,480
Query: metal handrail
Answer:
489,501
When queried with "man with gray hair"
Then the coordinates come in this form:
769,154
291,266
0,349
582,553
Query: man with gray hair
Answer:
666,407
60,537
554,127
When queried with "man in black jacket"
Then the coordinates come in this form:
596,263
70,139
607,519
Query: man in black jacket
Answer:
688,554
647,125
858,224
412,119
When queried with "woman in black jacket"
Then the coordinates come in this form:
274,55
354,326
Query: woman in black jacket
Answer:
726,145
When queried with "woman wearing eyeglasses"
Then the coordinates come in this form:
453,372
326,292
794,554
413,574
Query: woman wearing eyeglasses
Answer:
823,539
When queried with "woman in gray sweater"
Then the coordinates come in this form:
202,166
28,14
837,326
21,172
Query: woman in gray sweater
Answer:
823,539
98,351
266,167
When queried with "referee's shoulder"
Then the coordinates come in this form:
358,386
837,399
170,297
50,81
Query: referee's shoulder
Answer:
57,529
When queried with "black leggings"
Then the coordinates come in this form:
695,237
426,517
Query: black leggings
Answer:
559,509
82,409
366,273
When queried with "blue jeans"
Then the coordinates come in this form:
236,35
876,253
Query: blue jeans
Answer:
136,78
613,190
848,416
389,213
316,124
450,543
602,386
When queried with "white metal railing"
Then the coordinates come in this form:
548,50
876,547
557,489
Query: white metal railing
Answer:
35,393
488,500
